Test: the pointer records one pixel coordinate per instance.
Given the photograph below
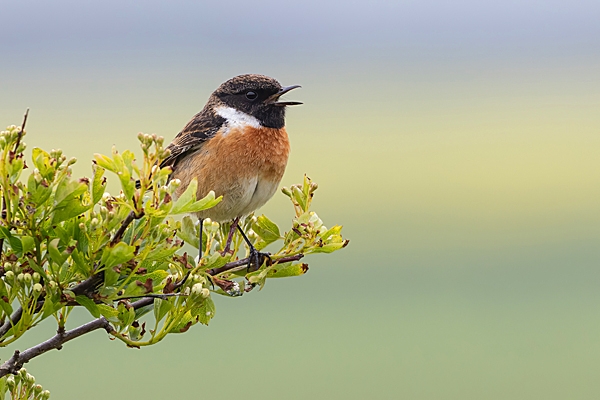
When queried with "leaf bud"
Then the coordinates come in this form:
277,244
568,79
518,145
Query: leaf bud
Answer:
37,288
286,191
175,183
10,382
10,276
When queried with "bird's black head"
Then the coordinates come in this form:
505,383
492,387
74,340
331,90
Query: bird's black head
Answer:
258,96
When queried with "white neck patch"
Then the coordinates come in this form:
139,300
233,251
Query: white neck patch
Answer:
236,118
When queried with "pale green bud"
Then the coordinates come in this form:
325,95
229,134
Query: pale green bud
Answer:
45,395
10,276
197,289
286,191
204,293
20,277
38,389
10,382
37,288
36,277
27,278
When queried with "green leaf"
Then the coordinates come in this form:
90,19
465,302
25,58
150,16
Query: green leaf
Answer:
98,184
266,229
333,231
105,162
59,257
118,254
189,231
161,308
205,312
186,203
50,307
89,304
156,276
108,312
28,243
41,160
81,265
286,270
126,315
69,201
186,321
7,308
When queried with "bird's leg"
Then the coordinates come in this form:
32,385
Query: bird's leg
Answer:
256,257
234,225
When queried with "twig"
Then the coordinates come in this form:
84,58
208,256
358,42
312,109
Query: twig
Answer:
244,262
11,156
21,131
14,364
128,220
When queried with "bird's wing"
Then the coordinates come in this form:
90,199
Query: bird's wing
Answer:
191,138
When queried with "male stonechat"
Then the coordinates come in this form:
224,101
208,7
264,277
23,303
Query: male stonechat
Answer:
236,146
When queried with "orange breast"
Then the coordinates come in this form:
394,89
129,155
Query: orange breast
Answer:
235,163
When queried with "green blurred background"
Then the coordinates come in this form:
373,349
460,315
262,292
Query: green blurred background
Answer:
457,142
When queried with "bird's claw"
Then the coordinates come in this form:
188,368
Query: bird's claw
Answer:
257,259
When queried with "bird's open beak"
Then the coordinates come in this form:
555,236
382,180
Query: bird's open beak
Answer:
274,99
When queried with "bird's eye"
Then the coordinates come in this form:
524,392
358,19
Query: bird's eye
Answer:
251,95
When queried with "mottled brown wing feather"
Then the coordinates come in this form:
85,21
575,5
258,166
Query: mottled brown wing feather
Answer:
192,137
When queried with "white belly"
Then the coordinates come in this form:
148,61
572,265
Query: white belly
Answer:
247,196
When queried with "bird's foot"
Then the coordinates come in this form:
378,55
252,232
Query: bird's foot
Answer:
257,259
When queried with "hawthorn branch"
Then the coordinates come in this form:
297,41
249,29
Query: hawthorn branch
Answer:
128,220
18,359
244,262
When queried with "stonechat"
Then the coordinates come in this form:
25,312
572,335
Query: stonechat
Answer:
236,146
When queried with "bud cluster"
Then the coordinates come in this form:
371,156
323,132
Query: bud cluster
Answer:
23,382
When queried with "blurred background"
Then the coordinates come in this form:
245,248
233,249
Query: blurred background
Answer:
457,142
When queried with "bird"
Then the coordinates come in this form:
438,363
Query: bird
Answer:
236,146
